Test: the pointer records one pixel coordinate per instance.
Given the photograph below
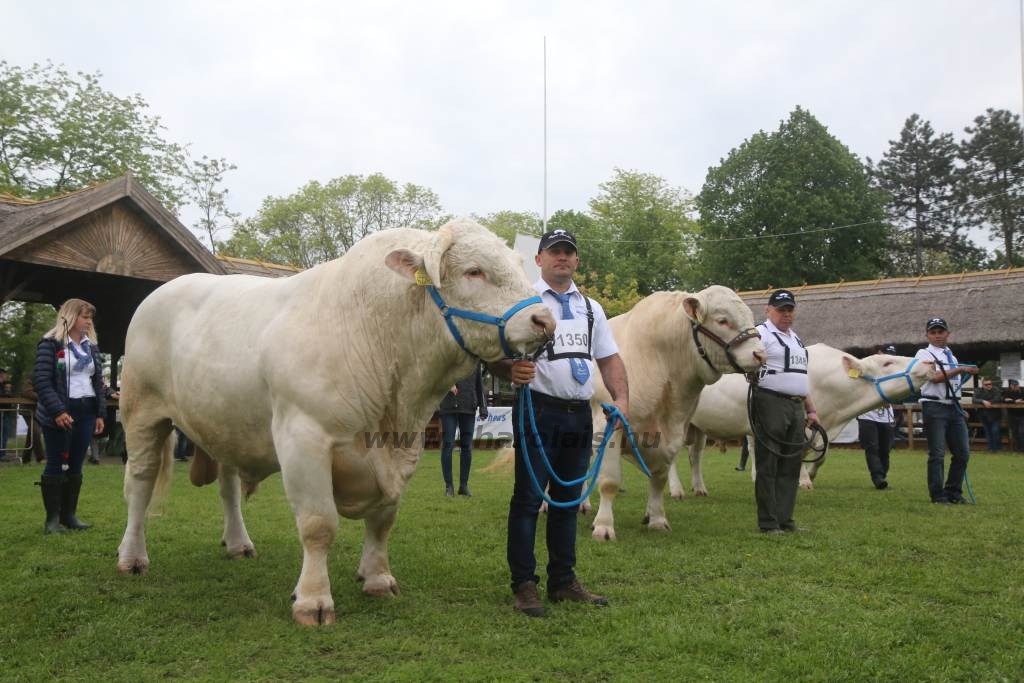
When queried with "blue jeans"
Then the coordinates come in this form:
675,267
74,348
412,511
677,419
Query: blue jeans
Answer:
945,425
566,437
465,423
74,442
992,434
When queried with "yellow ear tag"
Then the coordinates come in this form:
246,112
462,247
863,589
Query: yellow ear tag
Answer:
422,279
853,372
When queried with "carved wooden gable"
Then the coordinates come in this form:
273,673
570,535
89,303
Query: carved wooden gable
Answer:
113,239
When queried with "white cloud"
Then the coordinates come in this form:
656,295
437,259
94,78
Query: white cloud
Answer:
449,94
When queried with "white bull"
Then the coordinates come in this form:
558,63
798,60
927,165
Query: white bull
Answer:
837,395
328,376
669,357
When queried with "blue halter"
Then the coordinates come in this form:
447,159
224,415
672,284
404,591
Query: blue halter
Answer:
448,312
905,375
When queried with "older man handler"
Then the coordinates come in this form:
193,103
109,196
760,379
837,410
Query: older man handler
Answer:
783,408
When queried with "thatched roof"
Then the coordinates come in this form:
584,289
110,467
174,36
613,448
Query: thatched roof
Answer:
984,311
242,266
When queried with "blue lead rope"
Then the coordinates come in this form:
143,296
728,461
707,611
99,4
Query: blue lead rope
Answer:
525,404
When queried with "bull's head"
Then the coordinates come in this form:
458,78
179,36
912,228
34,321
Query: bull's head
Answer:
480,289
723,330
894,377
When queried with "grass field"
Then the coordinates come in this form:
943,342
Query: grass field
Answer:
884,587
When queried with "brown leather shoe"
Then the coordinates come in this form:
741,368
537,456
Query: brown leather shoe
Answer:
528,601
576,593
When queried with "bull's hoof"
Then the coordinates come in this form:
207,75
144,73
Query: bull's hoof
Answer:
585,507
383,586
657,524
703,493
319,615
678,495
136,566
603,533
807,485
246,551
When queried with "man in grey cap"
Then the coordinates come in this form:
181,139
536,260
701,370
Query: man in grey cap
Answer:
876,432
944,421
782,410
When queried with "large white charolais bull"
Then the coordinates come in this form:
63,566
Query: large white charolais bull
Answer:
328,376
838,397
673,344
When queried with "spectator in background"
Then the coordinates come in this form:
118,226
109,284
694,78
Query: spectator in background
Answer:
8,418
458,412
1015,416
990,417
876,430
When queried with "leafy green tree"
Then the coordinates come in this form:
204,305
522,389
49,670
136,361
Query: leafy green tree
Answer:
647,222
321,222
789,207
917,173
993,179
205,178
594,241
59,133
508,224
21,327
616,297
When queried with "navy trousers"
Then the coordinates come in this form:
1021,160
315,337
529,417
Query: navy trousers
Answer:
465,423
945,425
74,442
566,436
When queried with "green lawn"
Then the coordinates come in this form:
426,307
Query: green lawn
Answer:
885,587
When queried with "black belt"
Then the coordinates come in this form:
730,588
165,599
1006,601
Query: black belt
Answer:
789,397
568,405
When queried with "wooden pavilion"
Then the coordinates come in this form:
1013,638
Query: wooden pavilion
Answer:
111,244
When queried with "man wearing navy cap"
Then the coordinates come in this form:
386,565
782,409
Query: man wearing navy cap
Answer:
782,410
561,384
876,432
944,421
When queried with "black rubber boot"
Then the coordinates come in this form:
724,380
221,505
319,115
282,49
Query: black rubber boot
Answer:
51,488
69,503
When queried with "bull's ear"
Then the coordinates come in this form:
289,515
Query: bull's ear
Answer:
854,368
434,255
404,262
693,307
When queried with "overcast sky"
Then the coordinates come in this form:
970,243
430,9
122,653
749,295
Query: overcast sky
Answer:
449,95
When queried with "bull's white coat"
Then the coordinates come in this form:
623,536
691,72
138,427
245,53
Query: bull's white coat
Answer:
666,376
838,398
295,374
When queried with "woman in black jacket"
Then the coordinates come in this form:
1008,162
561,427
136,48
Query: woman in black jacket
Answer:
68,379
457,412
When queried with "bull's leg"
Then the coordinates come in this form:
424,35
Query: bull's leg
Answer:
696,453
374,567
307,483
608,482
675,486
655,518
148,444
806,478
236,538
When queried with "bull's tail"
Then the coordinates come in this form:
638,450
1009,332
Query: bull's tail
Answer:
162,487
505,458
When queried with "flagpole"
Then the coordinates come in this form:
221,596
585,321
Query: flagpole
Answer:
544,223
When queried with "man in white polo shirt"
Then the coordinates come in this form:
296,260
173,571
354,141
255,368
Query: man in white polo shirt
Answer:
782,410
561,383
944,421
